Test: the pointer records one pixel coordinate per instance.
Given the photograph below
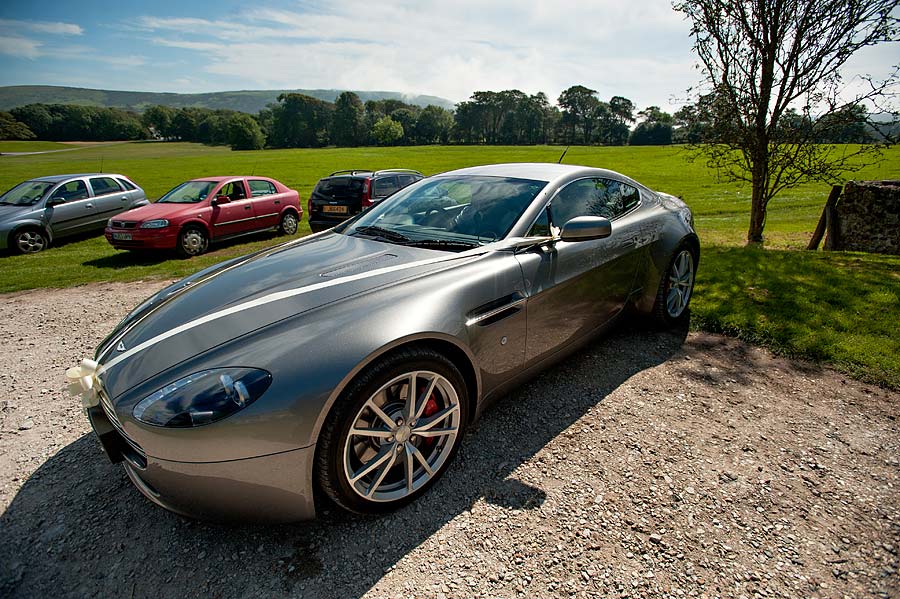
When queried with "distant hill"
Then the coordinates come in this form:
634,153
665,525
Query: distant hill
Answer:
251,101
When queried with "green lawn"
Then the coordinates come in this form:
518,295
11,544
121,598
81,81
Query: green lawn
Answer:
33,146
836,308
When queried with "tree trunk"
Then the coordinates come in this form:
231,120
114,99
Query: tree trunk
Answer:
759,197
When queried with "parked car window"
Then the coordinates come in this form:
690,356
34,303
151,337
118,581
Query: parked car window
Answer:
386,186
234,190
259,187
340,187
126,184
190,192
25,193
73,190
104,185
407,180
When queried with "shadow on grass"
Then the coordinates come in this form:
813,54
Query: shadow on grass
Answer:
838,308
77,527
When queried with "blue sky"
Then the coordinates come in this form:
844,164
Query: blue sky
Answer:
636,48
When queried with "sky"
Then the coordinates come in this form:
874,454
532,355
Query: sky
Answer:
640,49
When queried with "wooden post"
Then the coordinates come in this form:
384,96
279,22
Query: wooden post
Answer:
823,220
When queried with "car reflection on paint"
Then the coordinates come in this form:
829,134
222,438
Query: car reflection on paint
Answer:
349,363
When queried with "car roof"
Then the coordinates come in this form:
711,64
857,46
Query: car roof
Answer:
219,179
58,178
542,171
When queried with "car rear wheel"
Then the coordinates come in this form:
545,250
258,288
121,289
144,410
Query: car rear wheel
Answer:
676,288
30,241
192,241
288,224
393,432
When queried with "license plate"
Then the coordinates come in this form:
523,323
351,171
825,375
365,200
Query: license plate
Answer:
122,236
335,209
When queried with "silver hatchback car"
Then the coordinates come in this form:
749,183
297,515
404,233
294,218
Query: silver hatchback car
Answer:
35,212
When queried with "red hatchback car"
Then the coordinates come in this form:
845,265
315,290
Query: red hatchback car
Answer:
201,211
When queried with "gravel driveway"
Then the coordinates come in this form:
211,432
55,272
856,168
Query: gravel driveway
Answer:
647,465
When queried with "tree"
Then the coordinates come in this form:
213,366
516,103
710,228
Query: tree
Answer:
580,107
434,125
387,131
244,133
300,121
10,128
760,59
348,127
655,128
159,119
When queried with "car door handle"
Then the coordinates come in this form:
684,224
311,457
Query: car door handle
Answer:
277,202
124,198
246,207
88,205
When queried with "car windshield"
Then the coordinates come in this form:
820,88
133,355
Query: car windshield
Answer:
188,193
25,193
453,212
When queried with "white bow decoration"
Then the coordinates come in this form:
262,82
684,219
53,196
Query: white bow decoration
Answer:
83,381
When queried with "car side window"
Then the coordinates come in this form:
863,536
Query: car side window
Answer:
104,185
71,191
386,186
126,184
259,187
407,180
593,197
541,226
234,190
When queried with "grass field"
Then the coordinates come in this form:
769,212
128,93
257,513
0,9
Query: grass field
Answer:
836,308
33,146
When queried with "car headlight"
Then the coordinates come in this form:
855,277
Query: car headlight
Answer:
109,223
203,397
155,224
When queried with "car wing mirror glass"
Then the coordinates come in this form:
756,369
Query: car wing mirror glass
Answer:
585,228
55,201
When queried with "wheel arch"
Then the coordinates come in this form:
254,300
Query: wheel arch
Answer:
29,225
446,345
196,222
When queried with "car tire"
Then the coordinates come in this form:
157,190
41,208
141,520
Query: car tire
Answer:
676,288
288,224
29,241
192,241
367,466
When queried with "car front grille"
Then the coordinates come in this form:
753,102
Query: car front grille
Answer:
124,224
110,412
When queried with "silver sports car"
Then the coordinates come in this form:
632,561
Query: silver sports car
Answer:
349,363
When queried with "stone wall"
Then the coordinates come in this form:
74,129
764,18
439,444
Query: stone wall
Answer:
868,217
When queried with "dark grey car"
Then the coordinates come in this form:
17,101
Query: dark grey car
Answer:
35,212
349,363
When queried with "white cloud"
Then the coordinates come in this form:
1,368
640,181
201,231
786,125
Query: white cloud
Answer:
20,47
49,27
446,49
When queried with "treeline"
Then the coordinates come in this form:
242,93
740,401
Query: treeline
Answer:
508,117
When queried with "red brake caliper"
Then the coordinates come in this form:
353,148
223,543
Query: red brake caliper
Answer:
430,409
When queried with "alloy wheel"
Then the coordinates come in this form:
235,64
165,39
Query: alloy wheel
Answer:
402,436
681,284
30,242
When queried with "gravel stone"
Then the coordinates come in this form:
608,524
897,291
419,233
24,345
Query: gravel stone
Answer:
664,465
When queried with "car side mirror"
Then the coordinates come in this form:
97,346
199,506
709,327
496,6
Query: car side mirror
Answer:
220,200
585,228
55,202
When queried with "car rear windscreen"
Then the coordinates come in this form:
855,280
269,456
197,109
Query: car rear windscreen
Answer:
340,188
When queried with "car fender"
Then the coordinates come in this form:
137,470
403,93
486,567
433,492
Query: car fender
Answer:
195,221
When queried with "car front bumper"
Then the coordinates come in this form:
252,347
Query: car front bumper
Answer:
143,239
271,488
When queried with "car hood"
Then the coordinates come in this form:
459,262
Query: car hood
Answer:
245,294
11,213
154,211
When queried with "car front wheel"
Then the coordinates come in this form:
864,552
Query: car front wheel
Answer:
30,241
192,241
393,432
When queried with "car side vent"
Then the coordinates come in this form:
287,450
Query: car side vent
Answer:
496,310
360,266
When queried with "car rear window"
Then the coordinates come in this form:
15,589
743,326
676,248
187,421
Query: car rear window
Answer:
259,187
103,185
126,183
340,187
